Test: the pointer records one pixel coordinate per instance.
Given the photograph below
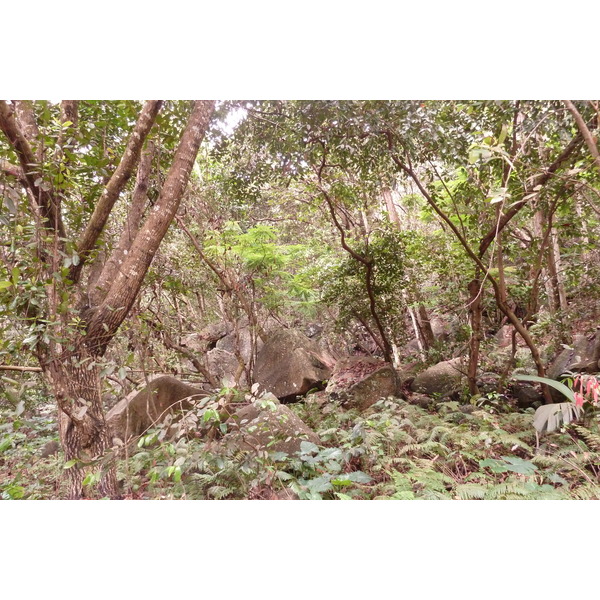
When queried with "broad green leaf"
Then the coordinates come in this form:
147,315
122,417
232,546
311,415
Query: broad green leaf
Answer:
476,154
518,465
12,209
341,481
502,135
495,466
319,484
308,447
359,477
5,284
557,385
70,463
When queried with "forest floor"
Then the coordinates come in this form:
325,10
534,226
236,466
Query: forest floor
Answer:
394,450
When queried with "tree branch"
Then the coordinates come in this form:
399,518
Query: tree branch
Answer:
585,132
115,185
132,226
32,170
123,291
502,304
534,185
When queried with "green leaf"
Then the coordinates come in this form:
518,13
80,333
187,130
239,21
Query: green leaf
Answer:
308,447
358,477
5,284
70,463
495,466
319,484
12,209
476,154
89,479
518,465
557,385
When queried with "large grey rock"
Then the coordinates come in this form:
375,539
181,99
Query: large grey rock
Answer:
290,364
243,340
225,367
584,355
267,425
360,381
526,394
441,379
142,409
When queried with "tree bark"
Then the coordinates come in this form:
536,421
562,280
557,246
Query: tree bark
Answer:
124,289
132,226
40,190
585,132
475,310
115,185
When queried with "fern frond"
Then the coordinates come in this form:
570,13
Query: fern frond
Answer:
500,491
218,492
586,492
425,448
591,439
509,439
428,494
439,433
404,495
471,491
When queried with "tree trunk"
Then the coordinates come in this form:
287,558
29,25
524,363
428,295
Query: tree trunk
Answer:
425,325
74,373
82,426
475,310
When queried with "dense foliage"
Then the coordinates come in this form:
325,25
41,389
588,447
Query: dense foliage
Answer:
367,221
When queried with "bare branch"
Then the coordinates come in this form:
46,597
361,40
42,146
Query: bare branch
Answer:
585,132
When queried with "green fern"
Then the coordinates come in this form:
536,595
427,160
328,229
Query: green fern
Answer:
219,492
471,491
586,492
425,448
592,439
